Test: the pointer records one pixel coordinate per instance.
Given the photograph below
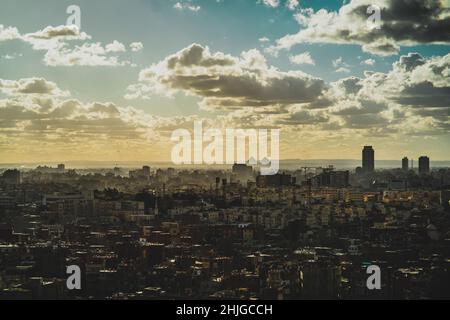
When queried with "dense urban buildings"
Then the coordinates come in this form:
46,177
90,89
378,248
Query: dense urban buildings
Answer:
167,233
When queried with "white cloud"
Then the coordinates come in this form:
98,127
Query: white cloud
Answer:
303,58
8,33
60,51
88,54
52,37
340,65
271,3
342,70
368,62
62,32
136,46
187,6
115,47
292,4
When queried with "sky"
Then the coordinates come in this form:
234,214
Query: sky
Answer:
117,87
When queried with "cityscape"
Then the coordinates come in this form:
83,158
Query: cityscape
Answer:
224,157
231,234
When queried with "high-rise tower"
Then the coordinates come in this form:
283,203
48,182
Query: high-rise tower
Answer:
368,159
424,165
405,164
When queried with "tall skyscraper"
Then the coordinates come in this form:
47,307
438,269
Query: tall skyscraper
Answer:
368,159
146,171
424,165
405,164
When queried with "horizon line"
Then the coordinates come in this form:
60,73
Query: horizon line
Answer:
170,162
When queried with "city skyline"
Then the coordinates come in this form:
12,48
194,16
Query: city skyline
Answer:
368,162
117,88
170,234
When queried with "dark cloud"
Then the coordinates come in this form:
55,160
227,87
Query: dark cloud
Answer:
34,86
351,85
411,61
365,121
403,23
365,107
424,95
303,117
224,81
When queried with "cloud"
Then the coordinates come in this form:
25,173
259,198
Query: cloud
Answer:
136,46
292,4
62,32
339,62
399,98
53,37
340,65
70,128
289,4
37,86
57,42
403,23
417,81
410,100
35,118
255,94
59,52
225,81
115,47
88,54
271,3
368,62
303,58
302,117
351,85
187,6
8,33
343,70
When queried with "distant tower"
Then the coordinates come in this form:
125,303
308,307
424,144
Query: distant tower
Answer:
61,168
368,159
405,164
424,165
146,171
